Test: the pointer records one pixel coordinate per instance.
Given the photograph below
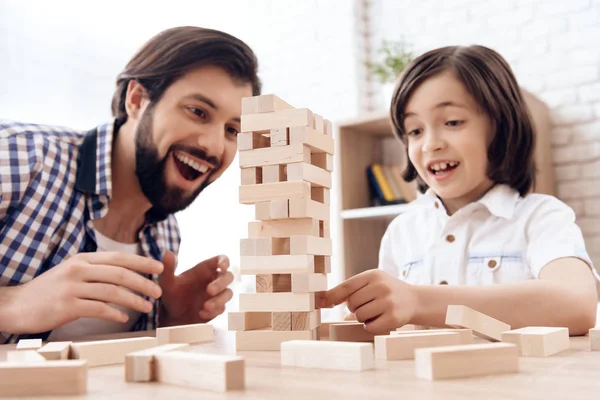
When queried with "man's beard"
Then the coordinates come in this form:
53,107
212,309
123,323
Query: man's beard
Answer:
150,171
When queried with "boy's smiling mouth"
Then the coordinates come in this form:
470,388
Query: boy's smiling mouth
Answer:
441,168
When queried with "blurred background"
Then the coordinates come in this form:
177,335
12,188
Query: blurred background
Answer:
60,59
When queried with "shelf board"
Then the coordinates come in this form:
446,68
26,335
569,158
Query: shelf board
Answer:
376,123
375,212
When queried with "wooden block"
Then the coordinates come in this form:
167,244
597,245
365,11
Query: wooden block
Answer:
309,173
274,283
50,378
594,339
319,123
322,160
29,344
324,328
140,365
324,229
270,103
328,128
216,372
412,327
107,352
251,176
250,105
304,244
465,335
350,332
56,350
317,142
307,208
277,264
24,356
275,156
250,194
283,228
277,302
484,326
306,321
281,321
320,194
268,340
327,355
279,137
402,347
259,246
277,119
240,321
322,264
537,341
466,360
274,173
306,283
262,210
193,333
279,209
251,140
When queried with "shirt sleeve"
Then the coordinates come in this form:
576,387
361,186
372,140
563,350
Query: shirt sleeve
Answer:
552,234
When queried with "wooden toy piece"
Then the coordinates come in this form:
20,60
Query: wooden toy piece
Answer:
247,321
350,332
280,137
306,321
402,347
277,302
278,119
327,355
107,352
279,209
140,365
252,140
458,316
214,372
270,156
322,264
304,244
263,104
49,378
323,161
195,333
273,283
319,123
251,194
256,247
324,229
251,176
269,340
274,173
308,208
24,356
594,339
412,327
538,341
303,171
29,344
308,136
320,194
281,321
466,360
277,264
56,350
306,283
283,228
324,328
465,335
328,128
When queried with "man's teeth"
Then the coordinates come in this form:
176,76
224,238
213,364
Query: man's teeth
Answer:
443,166
186,160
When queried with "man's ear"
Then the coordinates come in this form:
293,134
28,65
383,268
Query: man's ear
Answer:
136,99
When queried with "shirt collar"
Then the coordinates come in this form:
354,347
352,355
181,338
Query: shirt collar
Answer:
94,162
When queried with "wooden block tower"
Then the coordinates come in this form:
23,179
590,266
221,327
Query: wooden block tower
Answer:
286,160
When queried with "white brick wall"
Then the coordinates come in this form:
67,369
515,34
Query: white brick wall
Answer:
552,46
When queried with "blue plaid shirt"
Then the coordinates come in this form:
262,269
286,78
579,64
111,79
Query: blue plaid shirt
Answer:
54,182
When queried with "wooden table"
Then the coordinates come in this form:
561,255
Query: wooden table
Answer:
571,375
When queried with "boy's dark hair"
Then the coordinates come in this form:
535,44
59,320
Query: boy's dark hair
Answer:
173,52
489,79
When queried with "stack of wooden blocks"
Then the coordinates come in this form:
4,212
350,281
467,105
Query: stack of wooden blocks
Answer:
286,160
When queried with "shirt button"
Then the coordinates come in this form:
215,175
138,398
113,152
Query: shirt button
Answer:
492,263
437,205
443,283
404,273
450,238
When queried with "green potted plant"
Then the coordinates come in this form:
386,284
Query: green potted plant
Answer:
394,57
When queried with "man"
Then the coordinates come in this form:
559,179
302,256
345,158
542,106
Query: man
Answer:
87,233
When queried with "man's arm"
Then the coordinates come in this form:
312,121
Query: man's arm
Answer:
565,295
7,310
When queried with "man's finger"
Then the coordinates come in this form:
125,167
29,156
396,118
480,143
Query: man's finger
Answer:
341,292
220,284
170,265
208,269
219,300
133,262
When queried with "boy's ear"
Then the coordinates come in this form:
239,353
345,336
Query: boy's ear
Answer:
136,99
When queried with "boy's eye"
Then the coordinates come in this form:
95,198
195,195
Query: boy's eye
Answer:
232,131
414,132
454,123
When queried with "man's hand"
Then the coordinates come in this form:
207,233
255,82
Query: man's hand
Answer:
382,302
82,286
197,295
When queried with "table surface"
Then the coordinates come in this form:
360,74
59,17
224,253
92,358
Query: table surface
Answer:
572,374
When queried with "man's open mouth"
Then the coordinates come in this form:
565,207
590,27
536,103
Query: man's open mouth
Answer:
189,168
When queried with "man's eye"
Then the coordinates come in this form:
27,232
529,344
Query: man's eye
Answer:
198,111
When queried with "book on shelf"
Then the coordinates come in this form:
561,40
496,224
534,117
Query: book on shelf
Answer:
387,186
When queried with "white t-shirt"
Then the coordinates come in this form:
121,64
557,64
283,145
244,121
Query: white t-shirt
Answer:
94,326
500,238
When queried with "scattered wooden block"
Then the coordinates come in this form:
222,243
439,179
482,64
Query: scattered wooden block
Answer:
56,350
269,340
277,264
303,171
106,352
324,328
274,283
247,321
458,316
29,344
402,347
24,356
304,244
284,228
214,372
194,333
306,283
465,335
277,302
49,378
317,142
140,365
412,327
306,321
466,360
349,332
251,194
537,341
277,119
307,208
281,321
327,355
594,339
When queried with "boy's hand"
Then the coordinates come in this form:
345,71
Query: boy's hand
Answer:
382,302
